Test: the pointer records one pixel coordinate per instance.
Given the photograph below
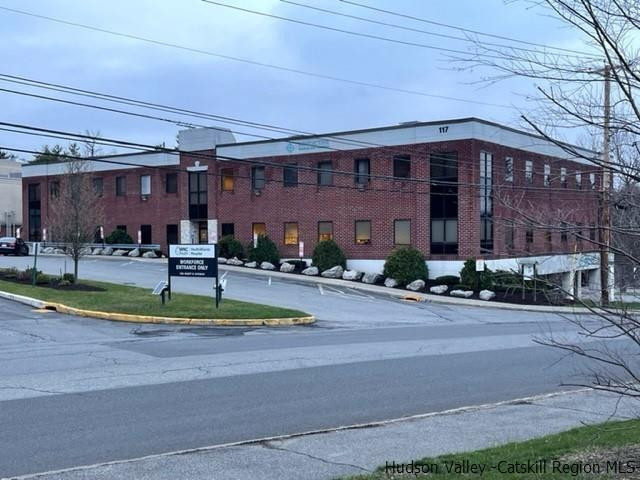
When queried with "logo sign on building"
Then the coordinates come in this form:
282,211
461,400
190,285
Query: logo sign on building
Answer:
193,261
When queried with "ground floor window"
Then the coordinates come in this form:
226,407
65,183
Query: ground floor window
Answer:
363,232
291,233
402,232
172,234
145,234
258,229
227,229
203,232
325,231
444,236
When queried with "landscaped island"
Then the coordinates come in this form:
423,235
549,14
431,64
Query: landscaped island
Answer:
110,297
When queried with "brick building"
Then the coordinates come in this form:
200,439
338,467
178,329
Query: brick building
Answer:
453,189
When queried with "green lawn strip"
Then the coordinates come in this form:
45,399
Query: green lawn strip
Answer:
569,449
139,301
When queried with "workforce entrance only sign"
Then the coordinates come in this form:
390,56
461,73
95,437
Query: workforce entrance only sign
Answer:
193,261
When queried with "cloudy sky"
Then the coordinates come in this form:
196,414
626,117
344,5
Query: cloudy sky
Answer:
49,51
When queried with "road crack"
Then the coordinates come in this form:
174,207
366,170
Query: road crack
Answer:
271,446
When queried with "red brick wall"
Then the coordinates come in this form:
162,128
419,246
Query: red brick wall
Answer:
383,201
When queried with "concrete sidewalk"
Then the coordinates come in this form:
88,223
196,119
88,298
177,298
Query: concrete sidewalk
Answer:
362,448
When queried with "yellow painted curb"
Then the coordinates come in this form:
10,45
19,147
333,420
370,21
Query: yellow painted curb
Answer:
218,322
413,297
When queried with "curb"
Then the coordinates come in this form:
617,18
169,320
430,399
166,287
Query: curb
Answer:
125,317
402,294
396,293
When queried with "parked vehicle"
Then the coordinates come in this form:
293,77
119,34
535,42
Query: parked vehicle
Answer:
13,246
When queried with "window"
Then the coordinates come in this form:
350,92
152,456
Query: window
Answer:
226,179
508,169
509,236
198,195
54,189
548,237
402,166
486,202
172,235
257,178
443,196
145,234
145,184
563,233
98,186
122,228
578,234
363,232
592,181
35,234
592,234
291,233
325,173
258,229
579,180
528,171
325,231
290,175
402,232
121,186
171,183
362,170
547,175
528,239
563,177
227,229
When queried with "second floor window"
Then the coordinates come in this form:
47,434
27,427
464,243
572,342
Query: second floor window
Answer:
402,166
508,169
171,183
145,184
121,186
97,186
227,179
257,178
54,189
528,171
362,171
290,175
547,175
325,173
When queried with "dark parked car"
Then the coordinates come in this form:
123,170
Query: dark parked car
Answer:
13,246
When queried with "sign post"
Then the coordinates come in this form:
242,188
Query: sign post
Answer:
194,260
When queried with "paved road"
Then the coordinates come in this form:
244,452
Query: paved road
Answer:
78,391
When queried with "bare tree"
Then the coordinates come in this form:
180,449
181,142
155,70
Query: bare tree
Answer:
76,210
90,145
571,88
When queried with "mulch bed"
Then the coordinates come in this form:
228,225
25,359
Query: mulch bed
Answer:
77,287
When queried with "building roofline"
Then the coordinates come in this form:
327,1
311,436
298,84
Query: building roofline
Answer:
295,138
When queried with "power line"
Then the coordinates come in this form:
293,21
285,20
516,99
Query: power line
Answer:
255,62
154,149
461,29
351,32
426,32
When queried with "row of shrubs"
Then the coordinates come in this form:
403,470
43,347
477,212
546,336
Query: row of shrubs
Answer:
26,276
404,264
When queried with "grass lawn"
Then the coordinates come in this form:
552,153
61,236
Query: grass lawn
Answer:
577,452
139,301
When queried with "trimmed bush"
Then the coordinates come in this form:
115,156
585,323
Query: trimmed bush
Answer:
265,251
118,236
447,280
229,247
298,264
476,280
405,264
68,277
328,254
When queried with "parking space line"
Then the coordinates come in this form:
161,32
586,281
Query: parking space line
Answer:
321,289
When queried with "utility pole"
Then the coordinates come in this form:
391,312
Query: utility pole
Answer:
605,185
